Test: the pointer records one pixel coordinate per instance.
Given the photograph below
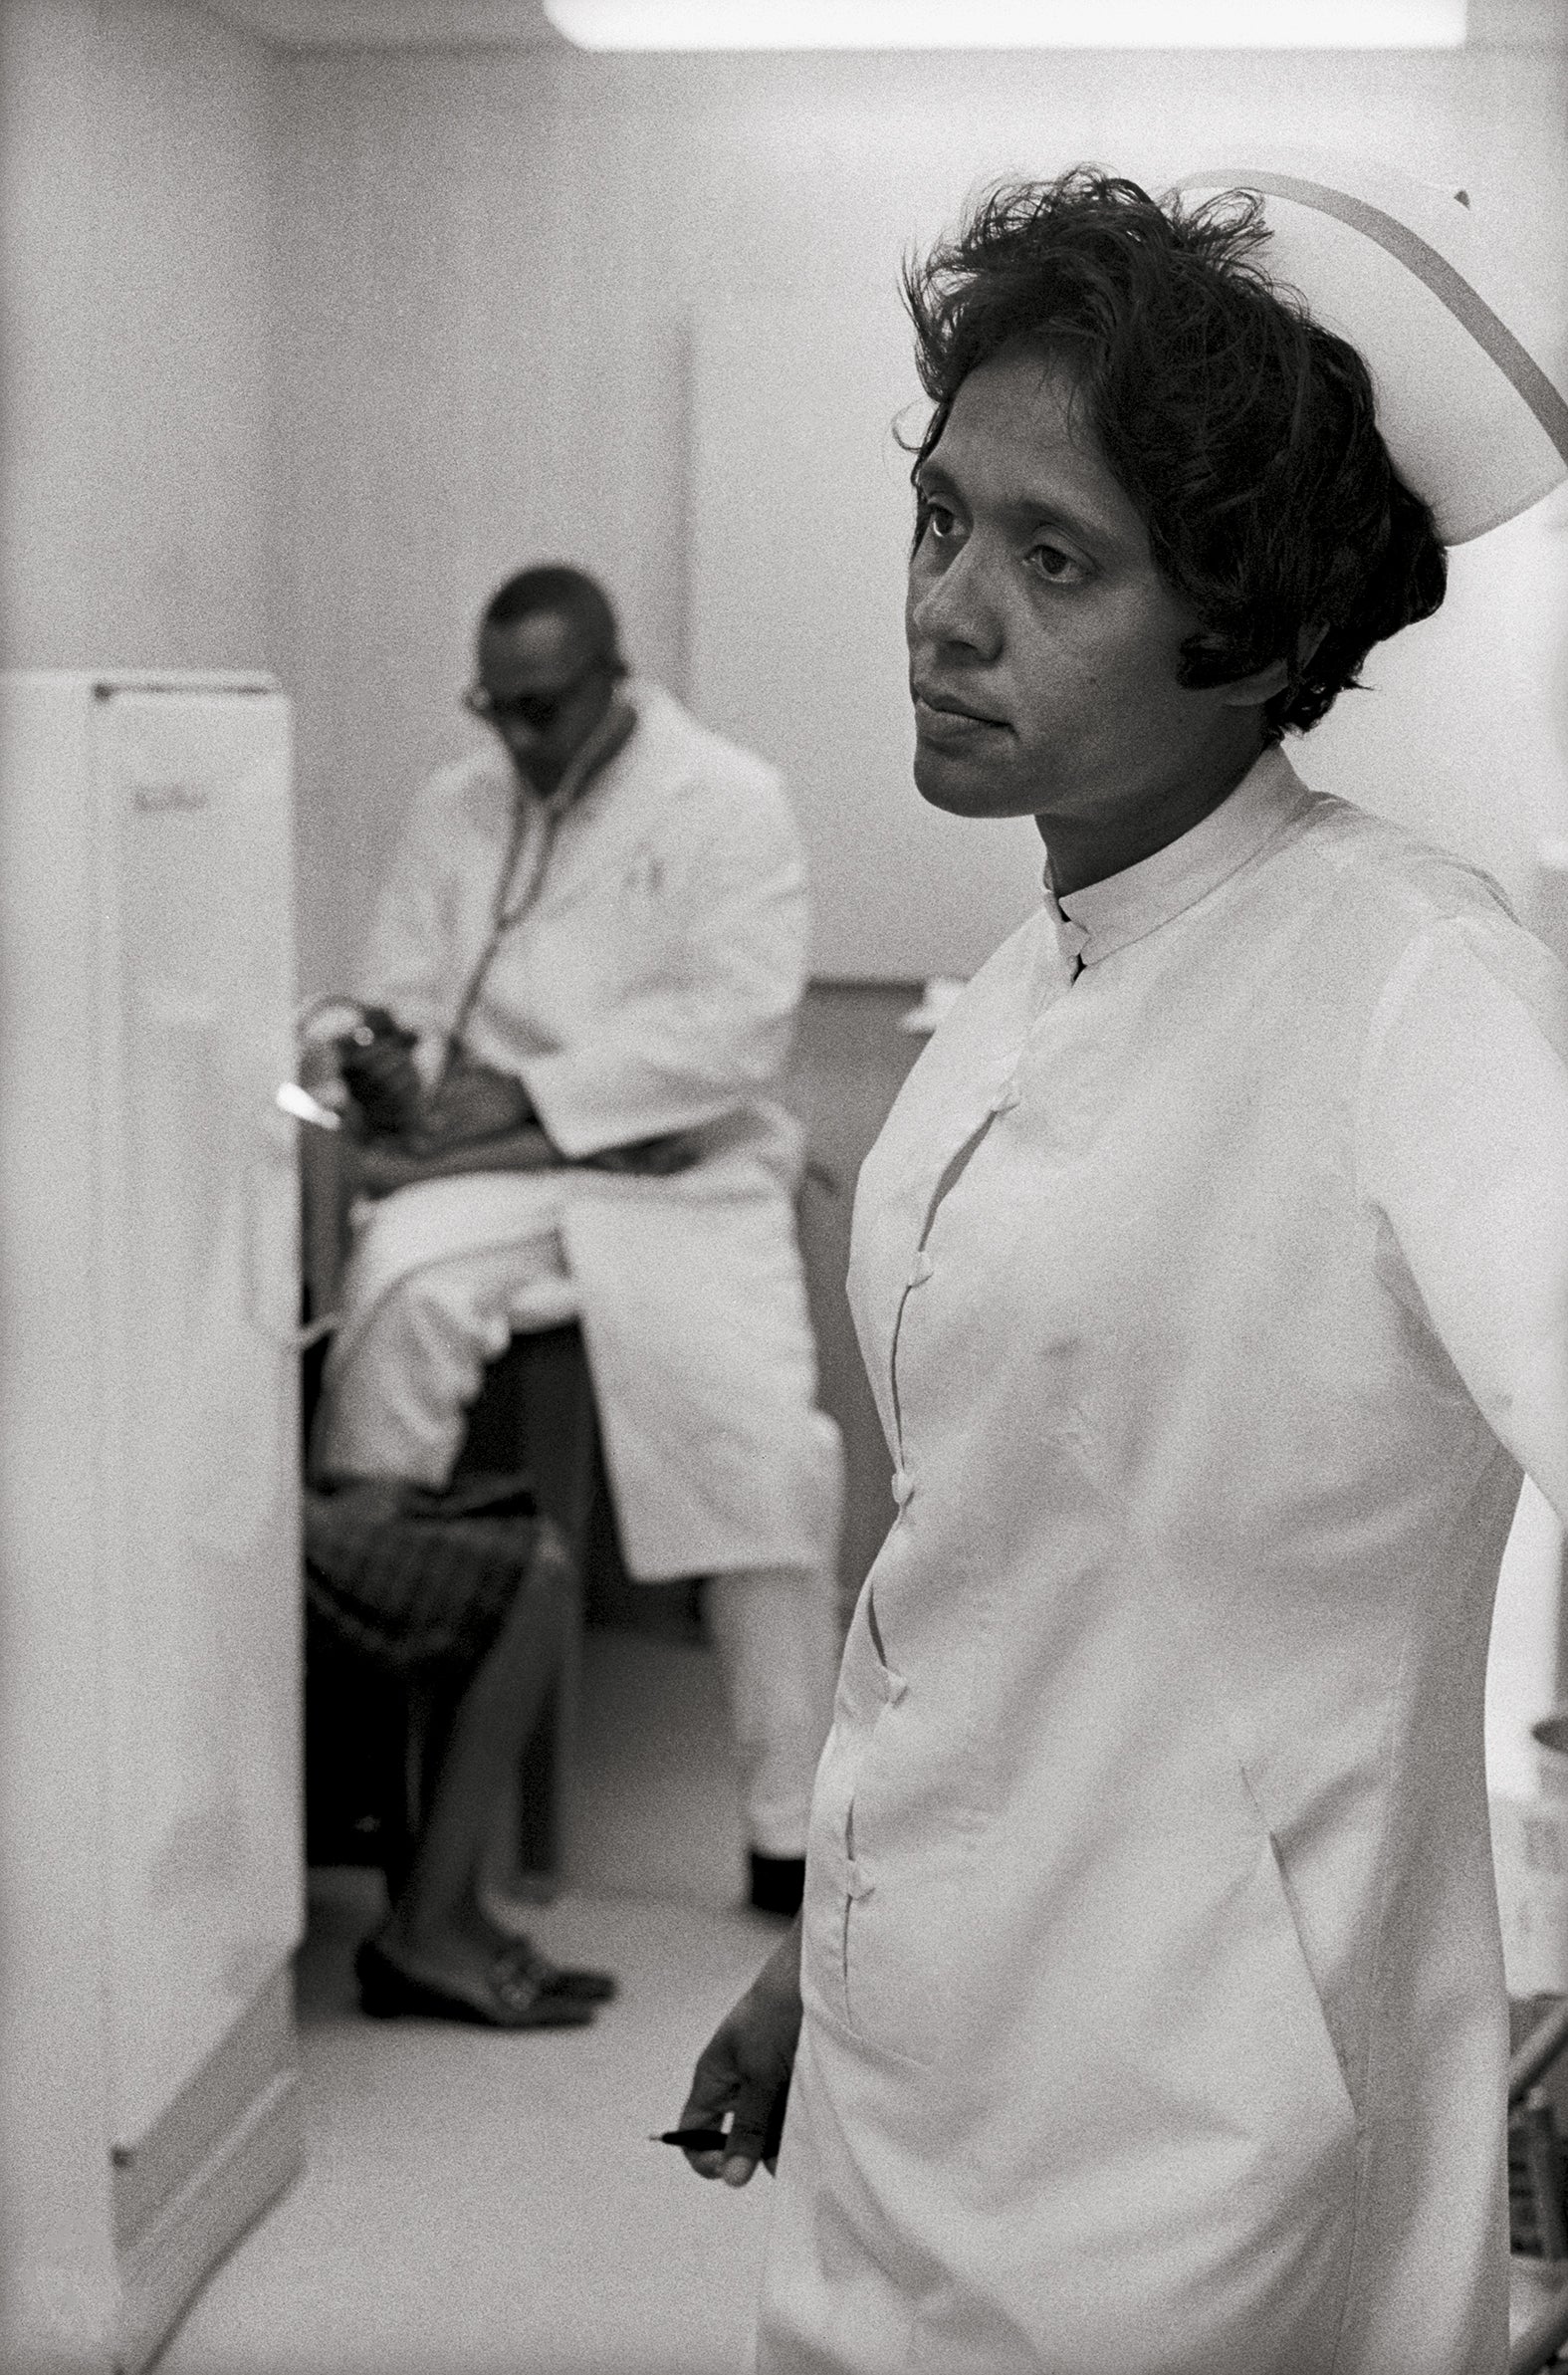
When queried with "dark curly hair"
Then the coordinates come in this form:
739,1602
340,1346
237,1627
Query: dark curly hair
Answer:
1244,432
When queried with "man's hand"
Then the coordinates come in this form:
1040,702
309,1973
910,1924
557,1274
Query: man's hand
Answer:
745,2068
474,1101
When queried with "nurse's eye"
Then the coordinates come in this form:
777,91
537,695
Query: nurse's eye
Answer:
935,520
1056,567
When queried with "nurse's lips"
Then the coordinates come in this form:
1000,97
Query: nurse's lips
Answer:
939,717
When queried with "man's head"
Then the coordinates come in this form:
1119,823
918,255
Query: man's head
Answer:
1243,434
546,664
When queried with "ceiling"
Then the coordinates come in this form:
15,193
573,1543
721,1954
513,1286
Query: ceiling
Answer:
523,24
392,23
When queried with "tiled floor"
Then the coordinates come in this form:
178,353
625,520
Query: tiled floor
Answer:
475,2203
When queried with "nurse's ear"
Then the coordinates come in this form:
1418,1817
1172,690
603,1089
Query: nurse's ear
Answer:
1251,692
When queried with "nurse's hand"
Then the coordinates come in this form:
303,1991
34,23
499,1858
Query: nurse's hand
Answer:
745,2068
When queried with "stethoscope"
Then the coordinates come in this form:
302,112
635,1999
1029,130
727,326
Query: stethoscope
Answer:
505,912
506,909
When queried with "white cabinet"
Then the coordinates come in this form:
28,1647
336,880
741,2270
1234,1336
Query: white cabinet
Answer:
151,1874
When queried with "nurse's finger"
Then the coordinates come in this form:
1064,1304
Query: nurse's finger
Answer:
707,2106
749,2138
710,2162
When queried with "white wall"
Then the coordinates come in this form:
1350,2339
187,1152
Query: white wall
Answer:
134,386
496,265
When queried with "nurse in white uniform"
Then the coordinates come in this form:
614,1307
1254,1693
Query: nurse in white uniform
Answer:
1146,2016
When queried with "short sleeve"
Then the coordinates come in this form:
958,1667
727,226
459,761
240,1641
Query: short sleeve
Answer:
1462,1145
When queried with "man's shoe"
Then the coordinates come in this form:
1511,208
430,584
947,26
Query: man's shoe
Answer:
778,1883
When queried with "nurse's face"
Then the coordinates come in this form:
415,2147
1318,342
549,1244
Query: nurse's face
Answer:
1044,643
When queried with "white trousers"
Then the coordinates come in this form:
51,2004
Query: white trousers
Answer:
397,1407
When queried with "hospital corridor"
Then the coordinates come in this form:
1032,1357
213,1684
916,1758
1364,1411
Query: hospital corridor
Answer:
784,1187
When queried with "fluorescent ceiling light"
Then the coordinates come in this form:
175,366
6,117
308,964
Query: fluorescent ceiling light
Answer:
1010,24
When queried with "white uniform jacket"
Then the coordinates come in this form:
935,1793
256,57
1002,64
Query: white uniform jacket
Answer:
1213,1296
648,984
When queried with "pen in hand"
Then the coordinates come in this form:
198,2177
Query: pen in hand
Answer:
693,2139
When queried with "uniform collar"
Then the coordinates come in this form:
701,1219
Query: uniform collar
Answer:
1105,916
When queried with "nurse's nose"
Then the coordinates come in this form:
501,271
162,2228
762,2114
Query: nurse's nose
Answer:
949,608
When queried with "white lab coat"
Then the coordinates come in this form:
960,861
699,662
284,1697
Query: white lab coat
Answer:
1213,1297
649,986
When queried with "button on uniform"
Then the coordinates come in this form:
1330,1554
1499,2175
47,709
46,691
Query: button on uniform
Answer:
921,1270
903,1486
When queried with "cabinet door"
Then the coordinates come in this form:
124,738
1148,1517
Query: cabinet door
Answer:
199,1519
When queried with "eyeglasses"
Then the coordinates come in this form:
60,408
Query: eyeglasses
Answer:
538,711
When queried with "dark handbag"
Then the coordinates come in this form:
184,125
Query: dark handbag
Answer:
416,1581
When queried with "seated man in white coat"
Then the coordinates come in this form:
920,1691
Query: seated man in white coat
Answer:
597,930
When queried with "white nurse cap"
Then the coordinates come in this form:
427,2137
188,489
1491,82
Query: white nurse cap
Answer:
1397,267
